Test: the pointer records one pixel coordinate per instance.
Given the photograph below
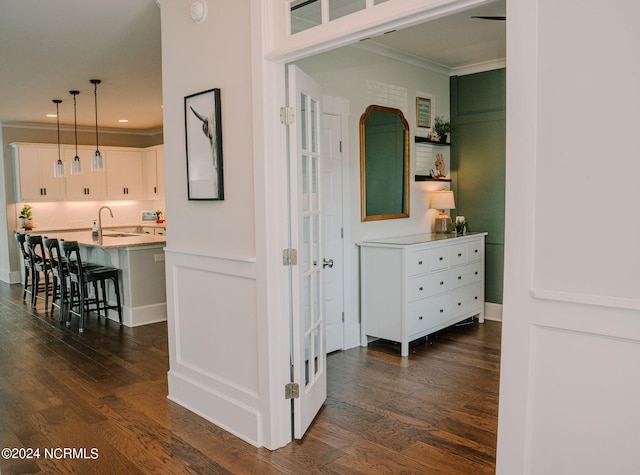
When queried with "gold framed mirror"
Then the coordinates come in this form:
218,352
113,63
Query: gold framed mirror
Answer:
384,164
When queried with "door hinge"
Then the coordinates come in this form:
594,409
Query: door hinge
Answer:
287,115
289,257
291,391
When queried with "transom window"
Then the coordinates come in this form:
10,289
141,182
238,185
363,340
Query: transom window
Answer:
306,14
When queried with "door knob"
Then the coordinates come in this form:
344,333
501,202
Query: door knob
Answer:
327,263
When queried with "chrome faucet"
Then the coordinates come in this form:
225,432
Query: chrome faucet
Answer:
100,219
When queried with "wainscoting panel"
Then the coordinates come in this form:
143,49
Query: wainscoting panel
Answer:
213,341
580,382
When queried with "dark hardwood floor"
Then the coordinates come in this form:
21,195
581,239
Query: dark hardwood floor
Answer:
434,412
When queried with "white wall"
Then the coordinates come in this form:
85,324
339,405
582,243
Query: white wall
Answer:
355,74
571,330
212,289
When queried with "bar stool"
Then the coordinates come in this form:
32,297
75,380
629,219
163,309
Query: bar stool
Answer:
26,262
59,278
80,276
39,266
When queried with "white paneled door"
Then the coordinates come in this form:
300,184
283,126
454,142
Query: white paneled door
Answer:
333,231
308,356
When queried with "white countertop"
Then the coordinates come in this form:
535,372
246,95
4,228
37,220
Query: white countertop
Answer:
85,238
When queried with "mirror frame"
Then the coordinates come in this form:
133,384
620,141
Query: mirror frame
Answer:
363,159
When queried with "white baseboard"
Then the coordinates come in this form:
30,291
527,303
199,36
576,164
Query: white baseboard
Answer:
144,315
493,311
222,410
10,277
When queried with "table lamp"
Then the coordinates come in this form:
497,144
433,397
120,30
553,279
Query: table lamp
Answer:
442,200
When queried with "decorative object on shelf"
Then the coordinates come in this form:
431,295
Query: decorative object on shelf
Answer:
203,130
159,214
438,171
97,164
58,168
26,217
440,164
442,200
442,127
423,112
461,226
76,165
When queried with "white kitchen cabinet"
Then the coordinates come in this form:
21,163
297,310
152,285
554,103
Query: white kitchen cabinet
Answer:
91,185
34,173
124,174
412,286
154,172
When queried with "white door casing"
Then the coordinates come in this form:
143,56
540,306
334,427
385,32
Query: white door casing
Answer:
307,281
333,230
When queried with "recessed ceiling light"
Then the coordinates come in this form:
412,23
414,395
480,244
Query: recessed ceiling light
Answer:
122,121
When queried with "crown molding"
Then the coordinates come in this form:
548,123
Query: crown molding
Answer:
479,67
70,128
372,47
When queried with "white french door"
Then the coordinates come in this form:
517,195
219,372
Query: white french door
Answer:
308,325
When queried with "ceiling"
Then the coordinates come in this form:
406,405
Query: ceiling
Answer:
48,48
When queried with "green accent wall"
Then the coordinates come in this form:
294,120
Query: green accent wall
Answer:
478,112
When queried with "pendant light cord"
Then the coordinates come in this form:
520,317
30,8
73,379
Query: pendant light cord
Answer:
75,123
95,83
58,101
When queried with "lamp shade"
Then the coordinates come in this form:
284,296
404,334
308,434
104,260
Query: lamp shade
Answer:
442,200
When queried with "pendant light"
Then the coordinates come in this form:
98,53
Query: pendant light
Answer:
76,164
97,165
58,168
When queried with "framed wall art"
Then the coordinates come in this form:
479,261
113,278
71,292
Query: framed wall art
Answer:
203,133
423,112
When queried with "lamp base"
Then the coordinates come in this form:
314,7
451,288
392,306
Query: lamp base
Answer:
442,223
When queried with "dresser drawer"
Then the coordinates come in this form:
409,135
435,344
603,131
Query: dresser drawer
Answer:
474,250
438,258
428,313
458,254
467,299
427,285
417,262
464,275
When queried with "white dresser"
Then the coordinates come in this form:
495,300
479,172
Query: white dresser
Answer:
412,286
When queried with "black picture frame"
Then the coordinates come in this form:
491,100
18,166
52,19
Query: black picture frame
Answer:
203,136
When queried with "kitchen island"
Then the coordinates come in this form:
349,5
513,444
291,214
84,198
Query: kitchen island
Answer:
140,257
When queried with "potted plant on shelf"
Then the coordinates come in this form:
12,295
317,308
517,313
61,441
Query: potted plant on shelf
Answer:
26,216
159,214
442,127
